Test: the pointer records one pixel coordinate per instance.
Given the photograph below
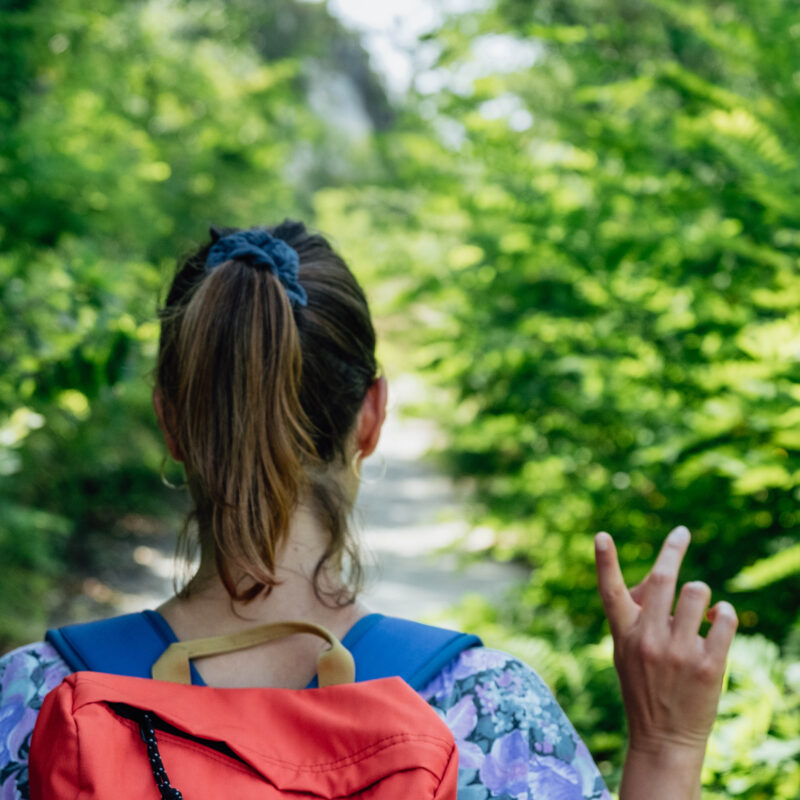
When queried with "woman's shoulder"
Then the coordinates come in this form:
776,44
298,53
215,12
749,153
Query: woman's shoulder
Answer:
496,678
27,674
511,733
30,668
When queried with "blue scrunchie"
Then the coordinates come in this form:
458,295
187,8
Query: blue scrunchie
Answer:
261,249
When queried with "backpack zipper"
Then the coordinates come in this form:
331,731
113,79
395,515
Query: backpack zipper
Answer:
148,724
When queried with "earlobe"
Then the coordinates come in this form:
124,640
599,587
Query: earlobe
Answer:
161,416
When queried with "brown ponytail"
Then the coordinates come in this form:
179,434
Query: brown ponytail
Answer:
261,398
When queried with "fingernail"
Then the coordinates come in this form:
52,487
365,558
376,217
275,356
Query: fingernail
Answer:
726,608
601,541
680,535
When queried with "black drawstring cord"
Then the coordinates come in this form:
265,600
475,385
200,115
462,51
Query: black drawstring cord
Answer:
156,764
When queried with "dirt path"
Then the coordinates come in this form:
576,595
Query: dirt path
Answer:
409,516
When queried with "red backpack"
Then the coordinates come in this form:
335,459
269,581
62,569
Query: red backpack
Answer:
103,736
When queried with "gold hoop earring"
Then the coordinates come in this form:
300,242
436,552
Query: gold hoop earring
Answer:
165,480
354,465
381,474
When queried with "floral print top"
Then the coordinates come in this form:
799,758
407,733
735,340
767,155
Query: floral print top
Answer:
514,741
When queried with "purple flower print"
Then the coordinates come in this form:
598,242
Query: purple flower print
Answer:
18,737
487,697
554,779
470,755
545,748
505,768
10,715
505,680
462,719
478,659
26,675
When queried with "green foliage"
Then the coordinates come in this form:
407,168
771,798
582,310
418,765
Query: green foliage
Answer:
755,749
605,254
126,128
768,571
598,256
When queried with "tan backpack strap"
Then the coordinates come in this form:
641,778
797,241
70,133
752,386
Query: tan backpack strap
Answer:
334,665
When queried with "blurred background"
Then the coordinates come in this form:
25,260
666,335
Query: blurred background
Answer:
578,223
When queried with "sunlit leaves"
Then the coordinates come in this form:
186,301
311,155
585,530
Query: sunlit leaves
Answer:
617,318
127,128
624,292
768,571
755,745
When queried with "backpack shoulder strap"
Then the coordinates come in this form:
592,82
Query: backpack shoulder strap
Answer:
382,647
125,645
387,646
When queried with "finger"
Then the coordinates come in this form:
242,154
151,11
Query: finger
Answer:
689,612
724,623
663,578
620,608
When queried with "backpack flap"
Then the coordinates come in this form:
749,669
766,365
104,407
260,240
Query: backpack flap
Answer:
375,740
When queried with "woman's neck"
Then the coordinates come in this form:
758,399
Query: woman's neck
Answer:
207,609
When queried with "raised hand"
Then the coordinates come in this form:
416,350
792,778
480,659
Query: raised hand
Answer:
670,675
